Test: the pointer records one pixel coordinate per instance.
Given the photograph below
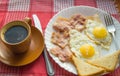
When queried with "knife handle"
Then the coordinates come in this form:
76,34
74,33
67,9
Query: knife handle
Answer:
50,70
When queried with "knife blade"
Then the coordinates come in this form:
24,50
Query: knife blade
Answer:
49,66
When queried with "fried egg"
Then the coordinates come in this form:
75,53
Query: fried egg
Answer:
97,32
82,46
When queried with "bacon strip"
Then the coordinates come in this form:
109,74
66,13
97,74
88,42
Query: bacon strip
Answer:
63,54
78,21
60,39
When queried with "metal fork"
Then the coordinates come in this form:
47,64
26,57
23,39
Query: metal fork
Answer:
110,27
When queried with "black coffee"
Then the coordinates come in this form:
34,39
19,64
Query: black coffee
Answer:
16,34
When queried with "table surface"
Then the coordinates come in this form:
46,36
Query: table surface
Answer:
45,9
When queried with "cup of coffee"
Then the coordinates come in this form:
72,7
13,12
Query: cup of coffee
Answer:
16,35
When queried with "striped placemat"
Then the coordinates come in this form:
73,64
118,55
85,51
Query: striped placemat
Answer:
45,10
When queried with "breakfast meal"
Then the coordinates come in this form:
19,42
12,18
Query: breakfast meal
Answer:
80,40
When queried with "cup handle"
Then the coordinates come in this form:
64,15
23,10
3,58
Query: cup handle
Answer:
28,20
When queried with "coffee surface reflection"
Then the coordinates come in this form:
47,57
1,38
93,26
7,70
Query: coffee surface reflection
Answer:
15,34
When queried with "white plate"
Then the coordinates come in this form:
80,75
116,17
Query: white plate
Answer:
87,11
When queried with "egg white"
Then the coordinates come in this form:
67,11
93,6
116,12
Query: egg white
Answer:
104,42
77,39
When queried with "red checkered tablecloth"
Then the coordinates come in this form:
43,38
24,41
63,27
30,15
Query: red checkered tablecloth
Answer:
45,10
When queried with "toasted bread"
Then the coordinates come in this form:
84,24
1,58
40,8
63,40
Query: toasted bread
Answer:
86,69
107,62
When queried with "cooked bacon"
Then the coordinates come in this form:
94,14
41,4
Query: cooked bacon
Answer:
66,34
77,19
56,50
78,22
60,39
80,27
61,26
63,54
62,42
73,23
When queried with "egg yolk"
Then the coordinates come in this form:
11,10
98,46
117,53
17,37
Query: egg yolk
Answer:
87,50
99,32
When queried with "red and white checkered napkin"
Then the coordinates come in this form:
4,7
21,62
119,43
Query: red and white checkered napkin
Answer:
45,9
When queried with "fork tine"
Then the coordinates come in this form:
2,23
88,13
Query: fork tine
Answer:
106,20
110,19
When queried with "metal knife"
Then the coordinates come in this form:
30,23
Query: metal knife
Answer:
49,67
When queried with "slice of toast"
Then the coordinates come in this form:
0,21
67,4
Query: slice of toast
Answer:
107,62
86,69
